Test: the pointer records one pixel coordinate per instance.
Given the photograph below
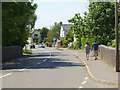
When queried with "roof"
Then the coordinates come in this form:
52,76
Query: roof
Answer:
66,26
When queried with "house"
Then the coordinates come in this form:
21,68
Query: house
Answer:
64,29
34,36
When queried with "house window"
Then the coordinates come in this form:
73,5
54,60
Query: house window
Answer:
35,35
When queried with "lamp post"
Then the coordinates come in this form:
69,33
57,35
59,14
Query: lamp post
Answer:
116,36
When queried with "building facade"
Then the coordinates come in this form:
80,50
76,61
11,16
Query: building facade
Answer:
64,29
34,36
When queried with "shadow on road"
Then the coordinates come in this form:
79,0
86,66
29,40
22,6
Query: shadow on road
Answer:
41,61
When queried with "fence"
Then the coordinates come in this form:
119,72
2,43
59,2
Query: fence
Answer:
11,52
108,54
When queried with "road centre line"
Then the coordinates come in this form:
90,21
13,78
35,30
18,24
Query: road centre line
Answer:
6,75
83,82
45,60
23,68
86,78
38,63
49,53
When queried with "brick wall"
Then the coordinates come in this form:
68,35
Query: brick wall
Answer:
108,54
11,52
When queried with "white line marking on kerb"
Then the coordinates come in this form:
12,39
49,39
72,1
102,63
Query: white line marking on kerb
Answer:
84,82
80,87
6,75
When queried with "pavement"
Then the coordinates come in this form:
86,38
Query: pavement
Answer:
98,70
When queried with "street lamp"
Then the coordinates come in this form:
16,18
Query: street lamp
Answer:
116,36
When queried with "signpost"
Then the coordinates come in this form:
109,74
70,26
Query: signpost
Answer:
116,36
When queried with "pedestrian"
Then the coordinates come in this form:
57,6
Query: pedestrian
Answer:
87,50
95,48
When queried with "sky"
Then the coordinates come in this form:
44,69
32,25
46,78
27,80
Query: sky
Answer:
50,11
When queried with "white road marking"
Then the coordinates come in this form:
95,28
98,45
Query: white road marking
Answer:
49,53
6,75
38,63
80,87
83,82
23,69
45,60
86,78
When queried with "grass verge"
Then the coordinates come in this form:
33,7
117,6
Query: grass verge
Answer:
75,49
27,52
60,49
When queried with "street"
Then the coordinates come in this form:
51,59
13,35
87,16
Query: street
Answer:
48,68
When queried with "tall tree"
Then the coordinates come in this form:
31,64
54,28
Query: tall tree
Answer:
69,35
78,27
103,20
56,29
43,34
16,21
50,36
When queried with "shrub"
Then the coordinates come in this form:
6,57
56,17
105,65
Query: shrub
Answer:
84,40
112,43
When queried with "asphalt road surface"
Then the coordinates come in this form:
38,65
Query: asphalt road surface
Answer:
48,68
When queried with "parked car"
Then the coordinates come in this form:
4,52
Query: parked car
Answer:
49,45
41,46
32,46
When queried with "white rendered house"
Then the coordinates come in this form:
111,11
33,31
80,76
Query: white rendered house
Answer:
64,29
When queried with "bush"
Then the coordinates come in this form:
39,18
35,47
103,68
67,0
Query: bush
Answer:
112,43
84,40
46,43
65,43
77,44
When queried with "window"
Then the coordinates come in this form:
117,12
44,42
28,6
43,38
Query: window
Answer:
35,35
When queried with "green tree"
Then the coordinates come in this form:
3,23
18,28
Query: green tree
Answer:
56,29
54,32
50,36
69,35
78,27
17,20
103,20
43,34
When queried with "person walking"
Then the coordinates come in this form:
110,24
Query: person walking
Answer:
87,50
95,48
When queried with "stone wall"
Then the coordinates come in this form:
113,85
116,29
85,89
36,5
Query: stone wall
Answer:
108,54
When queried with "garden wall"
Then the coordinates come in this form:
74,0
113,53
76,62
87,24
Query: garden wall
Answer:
11,52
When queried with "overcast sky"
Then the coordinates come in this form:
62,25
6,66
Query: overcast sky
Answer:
50,11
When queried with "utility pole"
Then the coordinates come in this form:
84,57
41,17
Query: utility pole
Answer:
116,36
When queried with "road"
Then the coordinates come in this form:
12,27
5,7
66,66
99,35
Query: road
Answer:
48,68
